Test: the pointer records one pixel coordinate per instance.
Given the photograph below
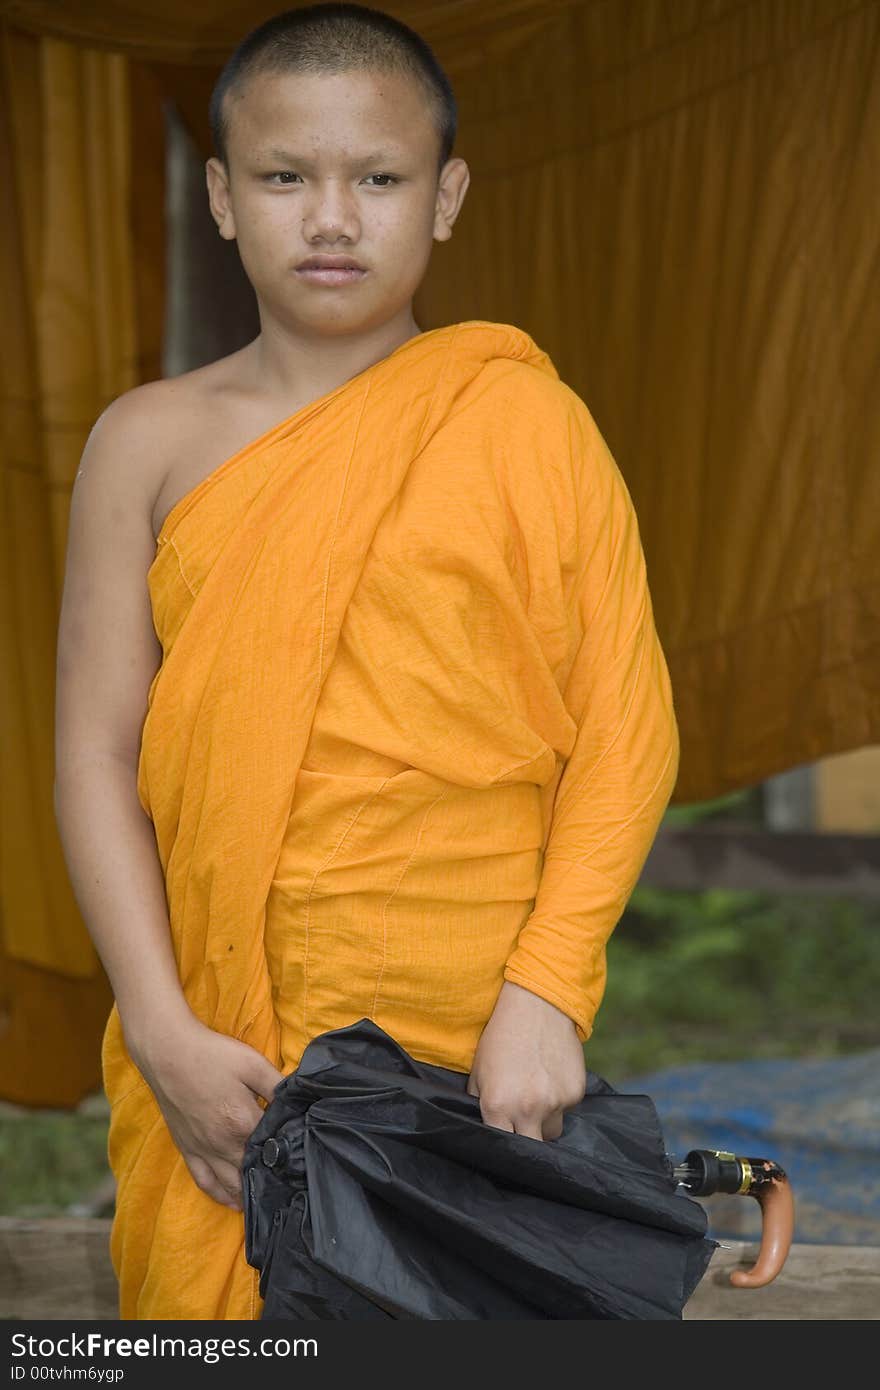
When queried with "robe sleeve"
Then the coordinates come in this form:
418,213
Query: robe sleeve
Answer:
619,776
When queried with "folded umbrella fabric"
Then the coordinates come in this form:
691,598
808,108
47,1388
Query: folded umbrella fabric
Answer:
374,1189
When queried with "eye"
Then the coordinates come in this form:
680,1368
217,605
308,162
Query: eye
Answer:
285,175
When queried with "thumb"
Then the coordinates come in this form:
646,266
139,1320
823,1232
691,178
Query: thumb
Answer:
261,1076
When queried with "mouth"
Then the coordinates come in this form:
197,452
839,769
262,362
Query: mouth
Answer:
322,275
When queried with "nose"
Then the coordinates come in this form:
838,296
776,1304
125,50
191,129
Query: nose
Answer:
330,213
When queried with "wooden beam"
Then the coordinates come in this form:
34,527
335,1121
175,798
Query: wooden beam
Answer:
56,1267
781,861
817,1283
59,1268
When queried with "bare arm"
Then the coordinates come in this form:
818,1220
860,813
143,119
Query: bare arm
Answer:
107,656
205,1083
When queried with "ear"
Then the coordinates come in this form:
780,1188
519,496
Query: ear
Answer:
219,197
452,186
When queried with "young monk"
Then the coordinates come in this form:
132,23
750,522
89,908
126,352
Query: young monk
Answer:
361,706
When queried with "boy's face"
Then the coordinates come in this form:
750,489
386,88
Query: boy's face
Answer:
301,182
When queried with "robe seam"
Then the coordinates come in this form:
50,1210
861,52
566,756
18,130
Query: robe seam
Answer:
340,507
578,864
170,541
516,766
317,874
393,893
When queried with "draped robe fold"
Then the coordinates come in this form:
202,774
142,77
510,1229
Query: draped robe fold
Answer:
412,735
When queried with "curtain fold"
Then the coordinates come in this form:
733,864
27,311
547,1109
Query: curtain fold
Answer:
204,32
69,294
677,202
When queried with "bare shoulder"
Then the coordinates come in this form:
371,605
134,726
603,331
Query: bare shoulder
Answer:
145,424
129,443
120,473
149,434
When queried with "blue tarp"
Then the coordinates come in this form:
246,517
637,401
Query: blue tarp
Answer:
819,1119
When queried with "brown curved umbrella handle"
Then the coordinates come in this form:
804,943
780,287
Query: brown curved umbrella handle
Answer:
777,1228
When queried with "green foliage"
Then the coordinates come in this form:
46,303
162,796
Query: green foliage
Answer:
697,976
48,1159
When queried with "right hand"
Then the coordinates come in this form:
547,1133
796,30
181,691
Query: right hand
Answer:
206,1084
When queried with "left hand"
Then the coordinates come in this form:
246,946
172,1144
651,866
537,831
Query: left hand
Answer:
528,1066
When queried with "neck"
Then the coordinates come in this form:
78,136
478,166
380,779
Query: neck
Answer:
287,364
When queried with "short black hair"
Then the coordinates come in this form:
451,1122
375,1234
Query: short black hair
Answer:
331,38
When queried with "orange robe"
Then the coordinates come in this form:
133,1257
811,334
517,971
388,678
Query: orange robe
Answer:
412,736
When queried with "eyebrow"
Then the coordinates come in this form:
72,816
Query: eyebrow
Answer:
287,157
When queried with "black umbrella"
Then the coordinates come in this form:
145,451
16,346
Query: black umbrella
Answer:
374,1189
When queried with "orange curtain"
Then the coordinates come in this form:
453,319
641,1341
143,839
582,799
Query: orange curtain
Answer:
677,202
70,297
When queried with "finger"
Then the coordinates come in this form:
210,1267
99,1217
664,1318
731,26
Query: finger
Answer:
552,1126
530,1128
472,1088
228,1175
262,1077
496,1118
204,1178
218,1176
